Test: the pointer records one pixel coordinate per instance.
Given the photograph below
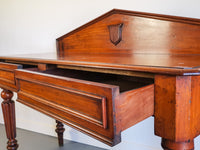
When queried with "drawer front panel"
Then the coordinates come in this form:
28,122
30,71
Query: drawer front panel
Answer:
71,101
84,105
7,76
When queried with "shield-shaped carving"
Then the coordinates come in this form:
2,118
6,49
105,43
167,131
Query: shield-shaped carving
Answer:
115,33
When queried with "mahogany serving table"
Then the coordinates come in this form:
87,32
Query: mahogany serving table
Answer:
110,74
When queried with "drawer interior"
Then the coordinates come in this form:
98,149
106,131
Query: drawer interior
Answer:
125,83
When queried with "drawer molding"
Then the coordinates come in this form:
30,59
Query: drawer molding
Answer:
88,102
68,122
91,96
7,75
6,80
94,99
66,109
9,66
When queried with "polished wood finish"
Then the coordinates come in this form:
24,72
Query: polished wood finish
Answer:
83,104
176,113
176,64
60,130
70,103
114,72
171,124
134,106
140,33
150,43
171,145
44,67
8,107
115,32
7,77
59,127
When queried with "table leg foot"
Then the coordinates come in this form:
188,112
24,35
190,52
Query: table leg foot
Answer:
60,130
8,107
171,145
12,145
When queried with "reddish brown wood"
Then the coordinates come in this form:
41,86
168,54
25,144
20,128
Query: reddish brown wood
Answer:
195,104
134,106
177,99
44,67
71,97
8,107
161,27
9,67
165,46
150,43
172,102
115,32
7,79
59,127
168,64
138,14
60,130
145,63
171,145
84,105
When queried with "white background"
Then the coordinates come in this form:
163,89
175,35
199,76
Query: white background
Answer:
31,26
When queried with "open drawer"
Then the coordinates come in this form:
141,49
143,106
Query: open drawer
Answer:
101,105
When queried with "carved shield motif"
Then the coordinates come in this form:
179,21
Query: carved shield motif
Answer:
115,33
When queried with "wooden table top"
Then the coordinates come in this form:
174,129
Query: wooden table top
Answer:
179,64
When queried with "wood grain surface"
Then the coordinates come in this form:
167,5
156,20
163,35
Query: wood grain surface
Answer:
112,73
150,43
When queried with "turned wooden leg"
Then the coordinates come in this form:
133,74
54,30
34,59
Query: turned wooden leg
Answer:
8,107
171,145
60,129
